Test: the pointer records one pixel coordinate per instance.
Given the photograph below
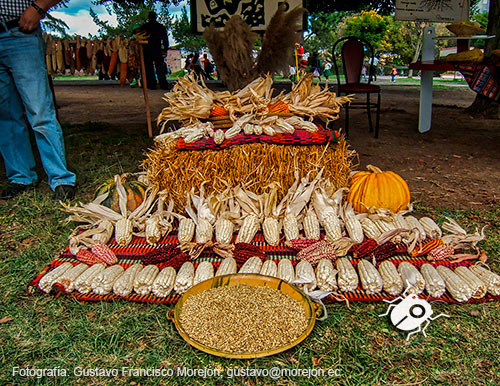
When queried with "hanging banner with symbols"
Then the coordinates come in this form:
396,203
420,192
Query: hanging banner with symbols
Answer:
441,11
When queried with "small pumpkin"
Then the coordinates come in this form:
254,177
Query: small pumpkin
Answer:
379,189
135,192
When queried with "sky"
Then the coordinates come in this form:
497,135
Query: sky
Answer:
77,16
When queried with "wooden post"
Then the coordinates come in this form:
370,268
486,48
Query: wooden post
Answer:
145,91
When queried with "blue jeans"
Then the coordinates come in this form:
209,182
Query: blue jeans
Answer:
24,86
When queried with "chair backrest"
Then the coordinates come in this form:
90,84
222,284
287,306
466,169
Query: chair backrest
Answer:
352,52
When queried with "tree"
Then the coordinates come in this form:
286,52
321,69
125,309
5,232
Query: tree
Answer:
322,31
181,32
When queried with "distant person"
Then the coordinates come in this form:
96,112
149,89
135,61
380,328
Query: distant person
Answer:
155,51
374,68
363,73
292,73
196,66
25,90
328,69
315,65
187,65
208,67
394,72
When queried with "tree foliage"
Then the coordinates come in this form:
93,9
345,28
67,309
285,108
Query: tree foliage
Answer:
185,38
322,32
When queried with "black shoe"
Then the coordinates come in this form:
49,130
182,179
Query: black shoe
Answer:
64,192
12,190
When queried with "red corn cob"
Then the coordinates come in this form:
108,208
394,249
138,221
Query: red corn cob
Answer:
440,253
169,256
365,249
317,251
301,243
385,251
87,257
243,251
103,252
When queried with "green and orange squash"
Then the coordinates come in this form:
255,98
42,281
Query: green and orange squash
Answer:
135,192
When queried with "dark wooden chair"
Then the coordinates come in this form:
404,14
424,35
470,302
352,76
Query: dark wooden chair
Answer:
352,51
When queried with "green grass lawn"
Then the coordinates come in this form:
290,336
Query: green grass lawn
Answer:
47,332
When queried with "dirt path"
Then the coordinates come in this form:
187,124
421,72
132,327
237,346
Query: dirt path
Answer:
455,165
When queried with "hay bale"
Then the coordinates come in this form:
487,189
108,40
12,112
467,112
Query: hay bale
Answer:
253,165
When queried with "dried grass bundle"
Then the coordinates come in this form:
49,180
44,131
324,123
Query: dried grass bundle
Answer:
279,40
255,166
232,51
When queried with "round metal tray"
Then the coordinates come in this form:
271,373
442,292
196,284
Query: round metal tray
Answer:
312,310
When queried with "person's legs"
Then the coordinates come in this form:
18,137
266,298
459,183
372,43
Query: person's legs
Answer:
160,70
149,68
27,64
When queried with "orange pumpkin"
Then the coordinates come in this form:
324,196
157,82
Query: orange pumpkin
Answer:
379,189
135,193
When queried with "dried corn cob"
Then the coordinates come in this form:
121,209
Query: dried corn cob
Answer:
186,230
68,278
333,228
352,224
153,229
103,252
227,267
105,229
125,283
319,250
219,136
458,289
363,250
290,227
271,228
224,230
169,255
144,279
204,272
370,230
490,279
384,226
425,247
50,278
248,229
371,281
413,223
434,284
164,282
252,265
385,251
477,285
184,279
441,252
103,282
305,276
269,268
400,222
325,275
392,282
204,231
286,271
412,278
431,228
243,251
300,244
123,231
84,281
87,257
347,277
311,225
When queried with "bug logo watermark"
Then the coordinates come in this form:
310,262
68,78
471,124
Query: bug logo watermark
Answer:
410,314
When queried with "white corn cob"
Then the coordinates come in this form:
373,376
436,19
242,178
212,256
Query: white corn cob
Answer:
143,281
219,136
164,282
325,275
305,276
227,267
248,229
311,225
290,227
400,222
106,229
269,268
67,279
271,228
103,282
186,230
352,225
392,282
125,283
153,229
347,278
49,279
458,289
224,230
257,129
474,282
204,271
431,228
204,231
384,226
286,271
412,278
252,265
123,231
370,230
434,284
83,282
333,228
185,277
490,279
413,223
371,281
